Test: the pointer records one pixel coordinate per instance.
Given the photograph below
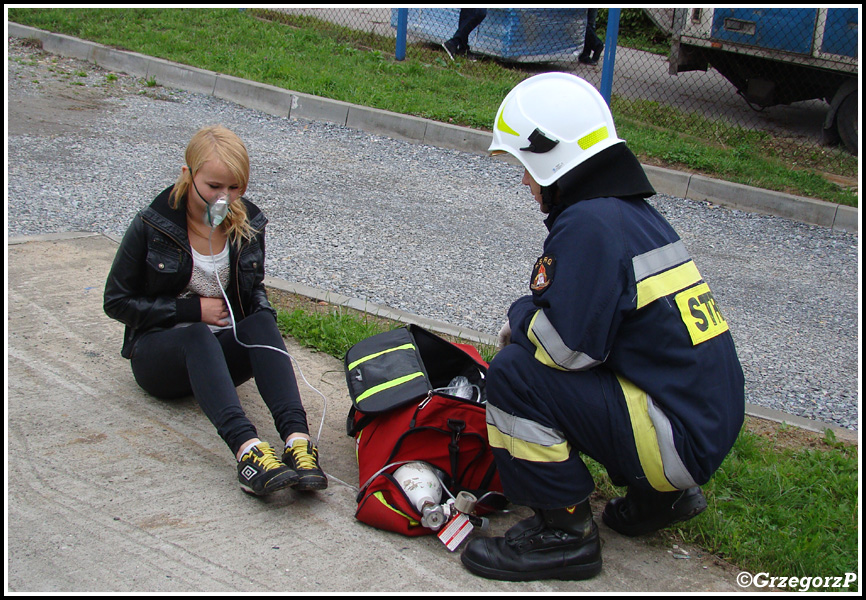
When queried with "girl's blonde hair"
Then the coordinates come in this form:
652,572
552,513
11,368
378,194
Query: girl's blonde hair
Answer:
218,142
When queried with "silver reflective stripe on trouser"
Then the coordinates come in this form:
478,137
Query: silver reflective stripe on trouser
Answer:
525,439
550,350
654,439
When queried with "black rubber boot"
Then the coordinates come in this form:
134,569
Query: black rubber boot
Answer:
554,544
642,511
536,521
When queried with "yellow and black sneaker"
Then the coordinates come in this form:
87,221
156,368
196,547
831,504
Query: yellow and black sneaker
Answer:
261,472
303,457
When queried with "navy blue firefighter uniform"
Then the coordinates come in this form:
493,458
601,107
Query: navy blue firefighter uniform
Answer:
620,352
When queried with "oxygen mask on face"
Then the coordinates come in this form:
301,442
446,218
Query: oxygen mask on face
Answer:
216,211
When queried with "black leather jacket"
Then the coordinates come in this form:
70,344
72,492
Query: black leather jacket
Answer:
154,264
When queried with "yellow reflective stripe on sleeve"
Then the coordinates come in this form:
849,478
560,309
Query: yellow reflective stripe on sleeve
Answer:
700,313
388,385
645,438
551,351
591,139
666,283
381,498
372,356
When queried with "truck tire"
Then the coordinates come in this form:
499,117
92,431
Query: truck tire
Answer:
847,123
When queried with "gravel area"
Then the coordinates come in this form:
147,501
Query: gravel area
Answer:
439,233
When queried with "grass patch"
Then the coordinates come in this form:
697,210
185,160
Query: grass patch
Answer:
315,57
785,501
334,329
332,332
788,512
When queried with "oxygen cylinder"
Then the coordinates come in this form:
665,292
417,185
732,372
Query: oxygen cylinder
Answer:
424,490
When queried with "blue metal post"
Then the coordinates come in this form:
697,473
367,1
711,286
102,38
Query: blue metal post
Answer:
402,21
610,39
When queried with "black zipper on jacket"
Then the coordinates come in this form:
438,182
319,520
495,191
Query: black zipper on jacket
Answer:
237,277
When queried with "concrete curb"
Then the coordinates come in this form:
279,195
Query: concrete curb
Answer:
295,105
743,197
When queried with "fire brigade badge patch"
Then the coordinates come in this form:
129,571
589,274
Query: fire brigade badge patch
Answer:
542,274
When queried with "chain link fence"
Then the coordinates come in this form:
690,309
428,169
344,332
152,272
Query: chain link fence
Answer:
786,74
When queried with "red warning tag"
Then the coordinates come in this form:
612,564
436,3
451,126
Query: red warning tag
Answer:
455,531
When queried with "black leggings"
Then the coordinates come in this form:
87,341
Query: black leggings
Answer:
184,361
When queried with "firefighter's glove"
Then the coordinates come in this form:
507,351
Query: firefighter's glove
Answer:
504,336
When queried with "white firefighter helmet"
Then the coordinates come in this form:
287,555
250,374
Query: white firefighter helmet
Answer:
551,123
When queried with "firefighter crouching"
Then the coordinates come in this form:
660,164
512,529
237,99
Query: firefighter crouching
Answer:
620,352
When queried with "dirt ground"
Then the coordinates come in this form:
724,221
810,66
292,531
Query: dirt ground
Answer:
68,94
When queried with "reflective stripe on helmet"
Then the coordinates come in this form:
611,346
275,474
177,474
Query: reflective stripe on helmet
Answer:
501,125
593,138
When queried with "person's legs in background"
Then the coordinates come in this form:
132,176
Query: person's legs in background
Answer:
469,19
592,45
